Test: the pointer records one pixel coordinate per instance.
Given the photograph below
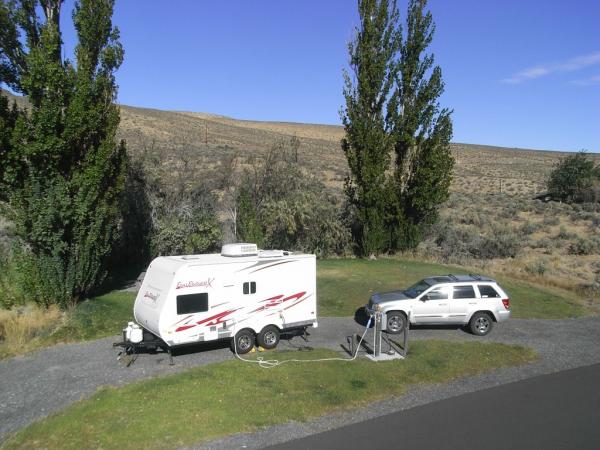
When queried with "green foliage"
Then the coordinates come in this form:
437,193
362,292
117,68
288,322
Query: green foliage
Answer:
575,179
64,170
422,133
368,142
249,228
392,109
185,224
281,206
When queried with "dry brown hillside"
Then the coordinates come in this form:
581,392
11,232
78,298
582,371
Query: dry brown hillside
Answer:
209,137
206,138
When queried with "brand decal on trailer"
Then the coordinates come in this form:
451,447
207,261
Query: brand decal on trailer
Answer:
208,283
151,295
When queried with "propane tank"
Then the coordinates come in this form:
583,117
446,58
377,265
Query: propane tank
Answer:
137,334
133,333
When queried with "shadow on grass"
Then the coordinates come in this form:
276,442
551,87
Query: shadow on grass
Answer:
119,279
361,318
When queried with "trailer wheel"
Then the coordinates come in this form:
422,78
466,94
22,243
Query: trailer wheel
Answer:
243,342
268,338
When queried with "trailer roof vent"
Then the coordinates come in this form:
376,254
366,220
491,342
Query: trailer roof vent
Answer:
239,250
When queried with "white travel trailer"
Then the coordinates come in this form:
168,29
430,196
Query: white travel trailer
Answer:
244,294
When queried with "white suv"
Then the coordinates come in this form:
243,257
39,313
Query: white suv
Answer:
444,300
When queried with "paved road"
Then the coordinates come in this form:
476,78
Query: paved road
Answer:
557,411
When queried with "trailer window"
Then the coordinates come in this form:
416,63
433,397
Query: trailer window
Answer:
192,303
250,287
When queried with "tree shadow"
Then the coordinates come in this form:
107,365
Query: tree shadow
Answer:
361,317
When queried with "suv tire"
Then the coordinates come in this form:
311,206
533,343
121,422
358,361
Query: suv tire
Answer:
481,324
395,322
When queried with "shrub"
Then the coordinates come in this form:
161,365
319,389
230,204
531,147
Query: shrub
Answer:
538,267
529,227
502,244
550,221
457,244
185,223
575,179
279,205
583,247
564,234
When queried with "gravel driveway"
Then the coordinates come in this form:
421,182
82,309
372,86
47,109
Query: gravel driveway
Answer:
37,384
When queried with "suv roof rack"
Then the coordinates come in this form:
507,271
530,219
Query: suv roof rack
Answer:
475,276
452,277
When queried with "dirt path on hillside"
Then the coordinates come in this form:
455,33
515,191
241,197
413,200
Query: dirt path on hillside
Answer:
40,383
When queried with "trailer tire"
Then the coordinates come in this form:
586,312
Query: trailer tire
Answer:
243,342
268,338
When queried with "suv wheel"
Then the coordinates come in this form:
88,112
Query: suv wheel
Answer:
481,324
395,322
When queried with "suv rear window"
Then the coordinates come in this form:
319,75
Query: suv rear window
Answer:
487,291
464,292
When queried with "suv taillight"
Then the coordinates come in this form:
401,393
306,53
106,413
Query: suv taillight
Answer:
506,302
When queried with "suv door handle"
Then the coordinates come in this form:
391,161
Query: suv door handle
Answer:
443,304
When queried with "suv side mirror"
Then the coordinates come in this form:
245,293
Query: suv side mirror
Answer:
425,298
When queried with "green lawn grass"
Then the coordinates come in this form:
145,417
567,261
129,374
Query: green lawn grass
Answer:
95,318
232,397
343,285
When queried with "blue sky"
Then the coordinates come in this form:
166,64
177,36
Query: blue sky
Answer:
518,73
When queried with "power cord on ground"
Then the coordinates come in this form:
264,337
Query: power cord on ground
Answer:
270,363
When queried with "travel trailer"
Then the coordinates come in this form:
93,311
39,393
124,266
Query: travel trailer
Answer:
244,294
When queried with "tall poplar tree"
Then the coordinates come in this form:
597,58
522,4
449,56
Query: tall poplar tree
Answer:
422,133
397,136
63,169
368,142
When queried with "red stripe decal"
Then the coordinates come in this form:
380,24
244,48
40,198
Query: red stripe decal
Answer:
277,297
209,321
272,265
182,320
300,301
